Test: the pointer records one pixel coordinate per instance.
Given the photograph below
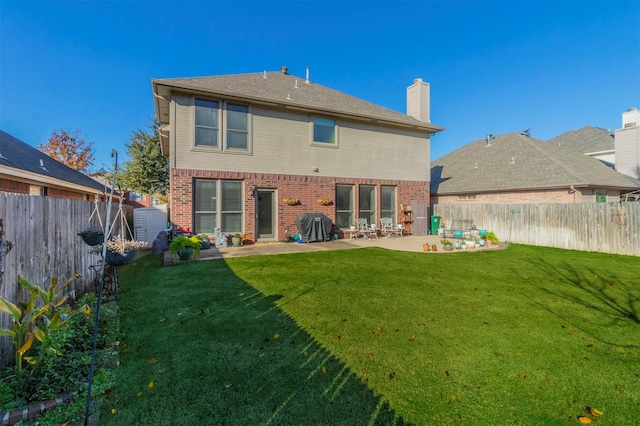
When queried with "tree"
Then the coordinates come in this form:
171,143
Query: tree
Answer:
147,170
69,148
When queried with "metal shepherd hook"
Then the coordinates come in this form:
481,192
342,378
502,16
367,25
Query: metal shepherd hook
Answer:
107,225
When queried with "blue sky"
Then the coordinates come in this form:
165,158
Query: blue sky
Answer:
493,66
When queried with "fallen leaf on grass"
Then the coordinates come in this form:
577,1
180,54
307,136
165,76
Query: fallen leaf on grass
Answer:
276,336
152,385
412,338
324,369
594,412
152,361
114,410
584,420
392,375
522,377
139,394
453,397
591,346
305,353
162,371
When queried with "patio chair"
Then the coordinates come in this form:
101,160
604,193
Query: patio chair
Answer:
386,227
365,230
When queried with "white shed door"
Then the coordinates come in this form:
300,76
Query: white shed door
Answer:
149,221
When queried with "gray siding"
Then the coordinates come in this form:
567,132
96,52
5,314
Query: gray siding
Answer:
281,144
628,152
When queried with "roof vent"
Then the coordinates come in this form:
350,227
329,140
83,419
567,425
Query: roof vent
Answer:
284,70
265,74
307,80
488,139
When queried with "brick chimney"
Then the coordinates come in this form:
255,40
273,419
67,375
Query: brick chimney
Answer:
418,101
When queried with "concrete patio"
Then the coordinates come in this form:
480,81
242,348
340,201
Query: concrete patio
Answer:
408,243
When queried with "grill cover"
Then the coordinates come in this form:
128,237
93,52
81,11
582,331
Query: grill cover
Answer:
314,227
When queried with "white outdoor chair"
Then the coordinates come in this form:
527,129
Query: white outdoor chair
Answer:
386,227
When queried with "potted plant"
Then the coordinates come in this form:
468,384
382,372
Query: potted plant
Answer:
434,248
121,251
491,238
324,201
470,243
236,239
291,201
446,245
426,247
185,247
93,235
204,241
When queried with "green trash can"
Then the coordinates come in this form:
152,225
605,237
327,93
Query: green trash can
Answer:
435,225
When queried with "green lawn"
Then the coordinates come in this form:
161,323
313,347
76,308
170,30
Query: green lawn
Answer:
527,336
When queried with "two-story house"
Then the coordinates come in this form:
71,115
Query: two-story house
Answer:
249,153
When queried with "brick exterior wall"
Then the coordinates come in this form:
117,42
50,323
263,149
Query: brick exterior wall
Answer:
13,186
515,197
306,189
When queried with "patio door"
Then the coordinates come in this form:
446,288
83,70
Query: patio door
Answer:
265,214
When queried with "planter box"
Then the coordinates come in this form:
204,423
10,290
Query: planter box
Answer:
118,259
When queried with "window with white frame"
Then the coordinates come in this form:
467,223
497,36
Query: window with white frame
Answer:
324,131
217,204
344,206
222,125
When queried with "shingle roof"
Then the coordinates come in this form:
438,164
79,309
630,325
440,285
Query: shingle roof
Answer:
290,91
22,156
586,140
516,162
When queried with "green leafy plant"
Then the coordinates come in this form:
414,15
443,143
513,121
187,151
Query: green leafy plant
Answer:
446,242
492,237
181,243
33,321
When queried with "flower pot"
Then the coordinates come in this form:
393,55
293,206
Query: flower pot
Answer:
185,253
236,241
470,244
92,239
448,247
118,259
205,244
426,247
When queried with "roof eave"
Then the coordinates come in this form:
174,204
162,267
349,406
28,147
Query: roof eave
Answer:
162,110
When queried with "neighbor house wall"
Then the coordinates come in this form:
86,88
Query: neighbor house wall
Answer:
514,197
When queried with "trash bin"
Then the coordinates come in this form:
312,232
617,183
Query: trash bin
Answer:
435,225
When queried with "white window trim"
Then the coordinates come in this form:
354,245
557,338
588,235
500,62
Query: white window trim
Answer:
324,144
222,128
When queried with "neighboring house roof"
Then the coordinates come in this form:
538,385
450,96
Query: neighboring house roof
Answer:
587,140
22,160
517,162
281,90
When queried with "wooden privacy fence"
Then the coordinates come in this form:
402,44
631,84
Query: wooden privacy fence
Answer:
44,231
601,227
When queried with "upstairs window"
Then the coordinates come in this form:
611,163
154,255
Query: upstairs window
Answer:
237,127
222,126
324,131
206,123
